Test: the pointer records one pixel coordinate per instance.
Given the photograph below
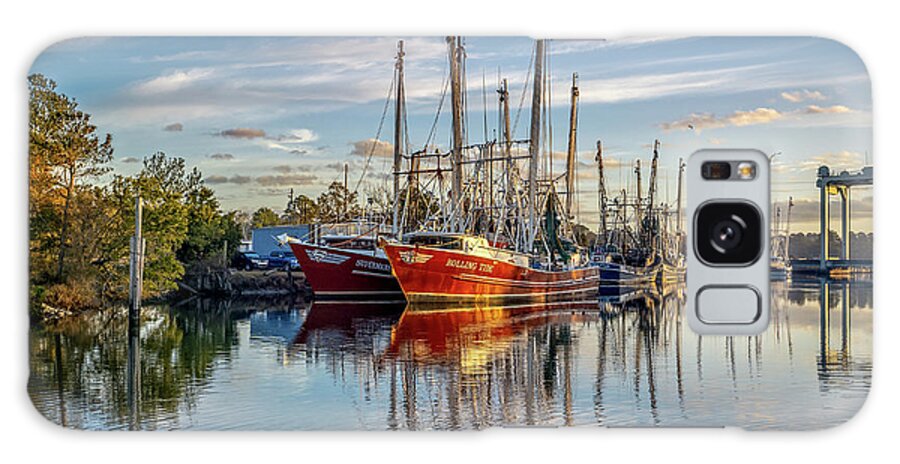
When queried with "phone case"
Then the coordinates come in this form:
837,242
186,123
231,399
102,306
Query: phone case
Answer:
307,233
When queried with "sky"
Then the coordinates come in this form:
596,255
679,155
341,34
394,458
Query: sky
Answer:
261,115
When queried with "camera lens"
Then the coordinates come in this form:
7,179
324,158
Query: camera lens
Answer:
728,233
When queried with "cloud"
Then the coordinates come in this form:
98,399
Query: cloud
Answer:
285,169
174,127
806,211
286,179
129,159
297,136
700,121
171,82
242,133
222,156
235,179
378,148
292,142
838,161
798,96
815,109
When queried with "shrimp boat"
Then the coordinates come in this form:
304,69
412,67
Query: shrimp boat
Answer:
459,269
640,248
518,249
346,263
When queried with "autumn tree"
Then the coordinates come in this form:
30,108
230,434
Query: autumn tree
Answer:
64,150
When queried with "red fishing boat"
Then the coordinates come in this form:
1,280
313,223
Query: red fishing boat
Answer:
346,266
442,269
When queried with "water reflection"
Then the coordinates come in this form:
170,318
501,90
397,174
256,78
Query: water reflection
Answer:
626,359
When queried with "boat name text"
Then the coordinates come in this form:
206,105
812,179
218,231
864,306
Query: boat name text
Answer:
470,265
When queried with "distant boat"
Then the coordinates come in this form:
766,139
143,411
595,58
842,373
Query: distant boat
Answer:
631,270
779,269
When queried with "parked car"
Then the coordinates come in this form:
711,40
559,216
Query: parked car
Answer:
282,260
248,260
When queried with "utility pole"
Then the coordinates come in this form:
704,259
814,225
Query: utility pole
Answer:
455,53
346,193
398,138
570,155
534,147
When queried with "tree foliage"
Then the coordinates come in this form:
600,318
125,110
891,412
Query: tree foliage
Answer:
338,204
265,217
82,221
64,150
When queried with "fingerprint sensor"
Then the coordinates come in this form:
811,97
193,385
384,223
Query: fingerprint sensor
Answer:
728,304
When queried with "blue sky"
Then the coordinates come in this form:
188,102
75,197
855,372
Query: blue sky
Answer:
261,115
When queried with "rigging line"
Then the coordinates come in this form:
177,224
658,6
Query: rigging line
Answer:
387,103
464,93
548,85
437,114
524,91
484,103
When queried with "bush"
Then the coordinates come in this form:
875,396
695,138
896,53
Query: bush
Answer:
72,296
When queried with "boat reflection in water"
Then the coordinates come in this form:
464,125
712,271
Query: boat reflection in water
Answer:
627,358
475,366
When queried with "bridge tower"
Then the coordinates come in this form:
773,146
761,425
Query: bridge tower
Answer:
836,184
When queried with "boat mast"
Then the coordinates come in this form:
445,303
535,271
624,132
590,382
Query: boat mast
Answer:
570,155
398,139
637,201
787,232
534,147
650,222
679,228
456,101
510,194
601,194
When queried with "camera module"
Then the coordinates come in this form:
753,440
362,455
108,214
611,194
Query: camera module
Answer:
728,233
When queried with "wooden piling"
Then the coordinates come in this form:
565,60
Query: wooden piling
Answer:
138,247
133,367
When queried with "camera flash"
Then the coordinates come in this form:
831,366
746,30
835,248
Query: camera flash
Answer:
746,170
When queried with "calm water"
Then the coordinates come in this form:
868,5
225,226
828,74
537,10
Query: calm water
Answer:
629,361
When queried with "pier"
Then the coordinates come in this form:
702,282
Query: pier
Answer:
830,183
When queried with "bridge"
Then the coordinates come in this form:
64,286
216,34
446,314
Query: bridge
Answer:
832,183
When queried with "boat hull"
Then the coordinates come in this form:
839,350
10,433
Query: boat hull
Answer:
622,274
335,273
435,277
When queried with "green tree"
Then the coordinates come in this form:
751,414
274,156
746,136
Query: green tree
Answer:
264,217
64,149
208,229
164,184
302,210
338,204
